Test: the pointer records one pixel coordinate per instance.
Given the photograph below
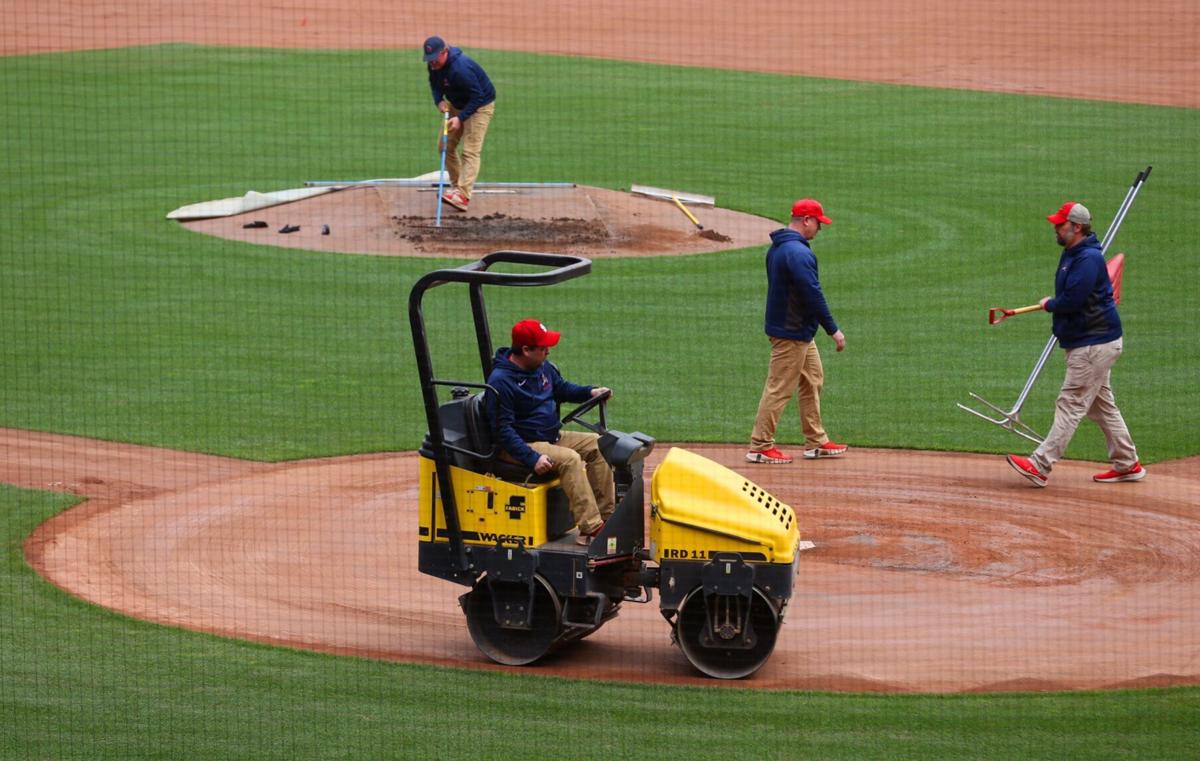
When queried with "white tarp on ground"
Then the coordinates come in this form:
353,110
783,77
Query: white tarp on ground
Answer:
227,207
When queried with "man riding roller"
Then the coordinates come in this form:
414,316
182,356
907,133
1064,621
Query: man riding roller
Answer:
528,390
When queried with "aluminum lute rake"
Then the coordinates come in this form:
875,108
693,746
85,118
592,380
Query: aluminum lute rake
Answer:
1010,419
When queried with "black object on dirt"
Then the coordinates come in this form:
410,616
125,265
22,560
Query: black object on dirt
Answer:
324,229
289,228
255,224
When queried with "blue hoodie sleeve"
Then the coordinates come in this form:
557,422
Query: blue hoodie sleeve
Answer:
510,440
566,391
804,274
435,87
1080,281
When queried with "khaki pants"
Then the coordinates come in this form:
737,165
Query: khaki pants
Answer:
795,367
1086,390
585,476
463,171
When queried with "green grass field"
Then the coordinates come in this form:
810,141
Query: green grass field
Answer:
122,325
119,324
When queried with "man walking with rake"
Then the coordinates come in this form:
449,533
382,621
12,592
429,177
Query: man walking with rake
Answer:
1088,326
796,307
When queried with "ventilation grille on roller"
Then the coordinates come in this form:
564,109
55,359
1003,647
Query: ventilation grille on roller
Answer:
782,512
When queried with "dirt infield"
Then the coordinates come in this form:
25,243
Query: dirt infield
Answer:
932,572
582,220
1105,50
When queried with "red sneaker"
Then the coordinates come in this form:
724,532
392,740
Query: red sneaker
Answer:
828,449
1026,468
1136,473
586,538
456,199
770,456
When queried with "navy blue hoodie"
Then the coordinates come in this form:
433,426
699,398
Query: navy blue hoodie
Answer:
795,303
528,404
462,82
1084,311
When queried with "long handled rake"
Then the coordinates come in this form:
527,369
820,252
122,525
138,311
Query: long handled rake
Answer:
1011,419
442,171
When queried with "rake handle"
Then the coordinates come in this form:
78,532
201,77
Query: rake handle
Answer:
998,314
688,212
442,171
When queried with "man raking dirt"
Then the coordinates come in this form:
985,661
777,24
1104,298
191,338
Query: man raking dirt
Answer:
462,89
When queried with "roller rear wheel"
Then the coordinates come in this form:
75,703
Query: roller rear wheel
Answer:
512,647
710,637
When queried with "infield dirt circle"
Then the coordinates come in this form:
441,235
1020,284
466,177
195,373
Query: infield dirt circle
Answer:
931,572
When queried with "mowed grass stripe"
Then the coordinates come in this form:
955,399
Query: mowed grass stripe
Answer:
121,325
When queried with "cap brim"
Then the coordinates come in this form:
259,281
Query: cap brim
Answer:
431,57
825,220
551,339
1056,219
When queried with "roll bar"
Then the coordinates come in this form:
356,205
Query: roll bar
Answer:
476,274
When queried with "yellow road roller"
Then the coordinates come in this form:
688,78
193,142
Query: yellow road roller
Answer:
722,553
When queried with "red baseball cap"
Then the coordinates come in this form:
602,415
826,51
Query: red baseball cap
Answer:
533,333
1071,211
807,207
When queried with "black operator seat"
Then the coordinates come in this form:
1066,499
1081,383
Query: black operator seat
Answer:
465,425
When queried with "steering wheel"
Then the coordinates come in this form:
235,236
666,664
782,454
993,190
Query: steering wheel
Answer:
574,415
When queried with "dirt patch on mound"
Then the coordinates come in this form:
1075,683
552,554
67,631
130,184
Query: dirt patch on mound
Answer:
932,572
501,231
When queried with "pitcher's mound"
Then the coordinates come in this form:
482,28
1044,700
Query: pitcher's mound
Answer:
401,221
